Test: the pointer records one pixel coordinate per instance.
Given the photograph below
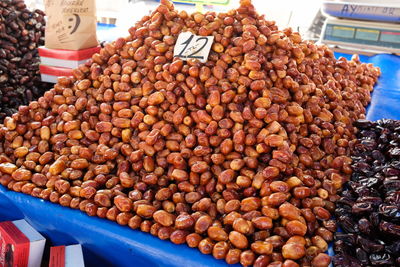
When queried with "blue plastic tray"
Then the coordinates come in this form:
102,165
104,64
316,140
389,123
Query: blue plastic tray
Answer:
106,243
385,103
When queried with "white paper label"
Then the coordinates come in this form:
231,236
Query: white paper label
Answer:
190,46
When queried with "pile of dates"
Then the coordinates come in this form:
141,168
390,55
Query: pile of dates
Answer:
241,156
368,211
21,33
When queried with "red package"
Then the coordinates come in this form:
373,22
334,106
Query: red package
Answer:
50,74
20,245
66,58
66,256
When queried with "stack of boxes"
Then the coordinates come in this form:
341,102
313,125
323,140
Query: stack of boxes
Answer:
58,62
22,246
70,37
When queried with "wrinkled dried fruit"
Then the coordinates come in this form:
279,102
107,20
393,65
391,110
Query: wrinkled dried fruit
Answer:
368,210
241,156
22,33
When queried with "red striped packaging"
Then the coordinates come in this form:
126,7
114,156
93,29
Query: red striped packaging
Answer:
50,74
20,245
66,256
66,58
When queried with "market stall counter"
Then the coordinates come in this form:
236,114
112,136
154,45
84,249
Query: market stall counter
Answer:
106,243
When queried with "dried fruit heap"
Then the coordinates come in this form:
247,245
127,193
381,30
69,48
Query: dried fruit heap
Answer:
241,156
369,210
21,33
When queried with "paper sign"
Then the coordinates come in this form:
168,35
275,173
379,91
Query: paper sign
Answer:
71,24
190,46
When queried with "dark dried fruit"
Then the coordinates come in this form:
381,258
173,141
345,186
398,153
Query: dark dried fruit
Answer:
368,210
21,33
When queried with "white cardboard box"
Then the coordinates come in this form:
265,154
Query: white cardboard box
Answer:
50,74
66,58
66,256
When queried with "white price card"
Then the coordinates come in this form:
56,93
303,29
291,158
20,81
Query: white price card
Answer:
190,46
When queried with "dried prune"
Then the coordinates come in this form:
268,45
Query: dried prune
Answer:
364,226
376,154
348,224
391,172
345,201
391,184
381,259
349,239
362,207
361,167
374,201
344,260
393,197
363,124
395,151
340,247
369,144
369,245
362,255
369,182
390,228
394,248
390,211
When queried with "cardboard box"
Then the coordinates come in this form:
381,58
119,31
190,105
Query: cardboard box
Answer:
50,74
66,58
66,256
20,245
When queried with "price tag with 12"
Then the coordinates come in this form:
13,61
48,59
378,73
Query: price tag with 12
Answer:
190,46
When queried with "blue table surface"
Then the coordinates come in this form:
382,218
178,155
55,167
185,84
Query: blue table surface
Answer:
106,243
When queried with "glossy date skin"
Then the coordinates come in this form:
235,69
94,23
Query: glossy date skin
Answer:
21,33
368,211
241,157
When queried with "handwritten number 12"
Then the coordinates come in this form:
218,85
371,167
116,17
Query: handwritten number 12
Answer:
187,42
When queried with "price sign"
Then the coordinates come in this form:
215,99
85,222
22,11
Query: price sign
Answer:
192,46
199,3
204,2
